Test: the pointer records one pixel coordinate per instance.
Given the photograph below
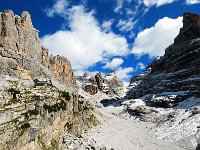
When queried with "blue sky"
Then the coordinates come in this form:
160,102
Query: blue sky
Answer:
101,35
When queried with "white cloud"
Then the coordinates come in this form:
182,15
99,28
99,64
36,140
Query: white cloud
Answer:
107,25
192,2
85,43
155,40
149,3
131,35
124,73
116,62
140,65
126,25
59,8
119,4
130,11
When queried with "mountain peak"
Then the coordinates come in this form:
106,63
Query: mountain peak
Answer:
111,73
190,29
21,49
190,19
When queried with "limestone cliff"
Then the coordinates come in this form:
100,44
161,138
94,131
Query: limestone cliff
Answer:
177,72
33,116
40,117
21,52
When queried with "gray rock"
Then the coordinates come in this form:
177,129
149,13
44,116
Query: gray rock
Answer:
175,73
109,84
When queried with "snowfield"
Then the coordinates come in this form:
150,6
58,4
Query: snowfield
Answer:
120,131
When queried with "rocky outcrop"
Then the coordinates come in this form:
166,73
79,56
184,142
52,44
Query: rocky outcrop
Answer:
176,74
41,117
113,85
190,29
21,51
109,84
90,88
62,68
47,115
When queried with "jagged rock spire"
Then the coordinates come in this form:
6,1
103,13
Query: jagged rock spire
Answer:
19,41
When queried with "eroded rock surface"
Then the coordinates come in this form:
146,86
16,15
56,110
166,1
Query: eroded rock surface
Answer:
177,71
167,93
41,117
109,84
21,52
31,116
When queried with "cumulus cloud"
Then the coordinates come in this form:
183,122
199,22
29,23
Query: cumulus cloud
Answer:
85,43
158,3
192,2
124,73
140,65
126,25
155,40
119,5
116,62
107,25
59,8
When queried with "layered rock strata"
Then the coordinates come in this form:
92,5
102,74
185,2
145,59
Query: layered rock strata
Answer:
177,72
21,52
41,117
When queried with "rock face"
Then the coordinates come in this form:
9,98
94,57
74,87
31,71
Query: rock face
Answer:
112,84
109,84
177,73
191,28
21,53
40,117
48,116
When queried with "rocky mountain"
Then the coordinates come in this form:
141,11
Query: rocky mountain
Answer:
176,71
47,114
168,92
109,84
21,52
160,109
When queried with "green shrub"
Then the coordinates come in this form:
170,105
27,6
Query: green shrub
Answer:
36,97
25,126
65,95
54,144
76,113
30,113
56,107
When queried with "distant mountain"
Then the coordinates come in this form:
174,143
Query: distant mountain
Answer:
110,84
